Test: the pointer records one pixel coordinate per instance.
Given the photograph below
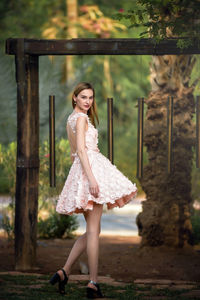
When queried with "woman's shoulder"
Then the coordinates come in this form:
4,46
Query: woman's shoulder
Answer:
76,115
72,118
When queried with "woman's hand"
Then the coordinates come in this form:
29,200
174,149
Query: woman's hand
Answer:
93,188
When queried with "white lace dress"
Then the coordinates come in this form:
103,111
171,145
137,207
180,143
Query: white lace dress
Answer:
115,189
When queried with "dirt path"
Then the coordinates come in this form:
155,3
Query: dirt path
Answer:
119,258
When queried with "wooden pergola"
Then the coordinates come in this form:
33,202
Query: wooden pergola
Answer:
27,52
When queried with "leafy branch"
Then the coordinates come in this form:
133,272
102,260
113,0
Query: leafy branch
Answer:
164,19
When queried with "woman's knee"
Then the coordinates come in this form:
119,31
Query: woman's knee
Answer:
93,230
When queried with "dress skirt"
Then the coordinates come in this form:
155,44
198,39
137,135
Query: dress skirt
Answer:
115,189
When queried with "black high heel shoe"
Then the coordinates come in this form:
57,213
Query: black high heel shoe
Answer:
92,293
61,283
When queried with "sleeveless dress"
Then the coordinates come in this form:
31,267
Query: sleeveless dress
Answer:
115,189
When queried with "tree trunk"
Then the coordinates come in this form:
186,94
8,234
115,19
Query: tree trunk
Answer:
165,219
72,14
27,159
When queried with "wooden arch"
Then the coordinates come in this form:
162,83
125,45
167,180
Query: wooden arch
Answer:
27,52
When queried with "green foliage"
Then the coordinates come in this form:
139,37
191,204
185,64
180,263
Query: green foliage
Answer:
24,18
8,227
51,83
63,163
195,181
125,90
8,103
7,219
54,225
57,226
195,220
8,168
167,18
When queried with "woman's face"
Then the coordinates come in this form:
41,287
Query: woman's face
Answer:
84,99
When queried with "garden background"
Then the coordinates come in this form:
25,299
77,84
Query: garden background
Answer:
125,78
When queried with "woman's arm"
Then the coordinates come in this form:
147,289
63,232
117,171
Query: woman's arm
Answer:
81,151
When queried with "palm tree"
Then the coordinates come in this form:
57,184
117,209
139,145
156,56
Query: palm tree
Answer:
165,219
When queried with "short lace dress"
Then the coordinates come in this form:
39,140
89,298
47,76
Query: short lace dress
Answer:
115,189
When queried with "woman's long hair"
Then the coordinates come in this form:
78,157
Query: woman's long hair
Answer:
92,112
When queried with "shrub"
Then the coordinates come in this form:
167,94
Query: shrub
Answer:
8,168
57,226
195,220
7,226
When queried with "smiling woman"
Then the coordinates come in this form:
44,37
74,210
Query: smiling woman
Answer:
92,181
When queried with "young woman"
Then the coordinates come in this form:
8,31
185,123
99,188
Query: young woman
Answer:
92,181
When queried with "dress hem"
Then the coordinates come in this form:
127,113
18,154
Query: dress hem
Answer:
120,202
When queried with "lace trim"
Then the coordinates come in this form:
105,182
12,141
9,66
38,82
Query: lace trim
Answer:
73,118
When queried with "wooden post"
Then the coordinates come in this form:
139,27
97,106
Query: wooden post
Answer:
52,160
110,129
27,158
140,125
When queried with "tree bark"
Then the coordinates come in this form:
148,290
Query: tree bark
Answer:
165,219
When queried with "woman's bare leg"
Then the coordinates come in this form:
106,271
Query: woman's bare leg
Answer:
93,219
78,248
89,240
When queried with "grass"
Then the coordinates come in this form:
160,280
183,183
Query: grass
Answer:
37,287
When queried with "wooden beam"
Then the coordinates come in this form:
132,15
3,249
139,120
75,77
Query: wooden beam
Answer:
100,46
27,158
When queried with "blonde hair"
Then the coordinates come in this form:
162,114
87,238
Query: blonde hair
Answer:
92,111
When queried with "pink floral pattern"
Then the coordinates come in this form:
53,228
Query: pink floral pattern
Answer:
115,188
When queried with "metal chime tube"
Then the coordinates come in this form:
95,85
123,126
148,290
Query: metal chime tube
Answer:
169,133
140,138
198,131
52,173
110,128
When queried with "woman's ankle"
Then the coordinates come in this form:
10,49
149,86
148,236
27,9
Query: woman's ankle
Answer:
67,271
61,273
92,284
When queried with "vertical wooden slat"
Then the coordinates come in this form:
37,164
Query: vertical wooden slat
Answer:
140,138
198,131
169,134
27,159
110,128
52,173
